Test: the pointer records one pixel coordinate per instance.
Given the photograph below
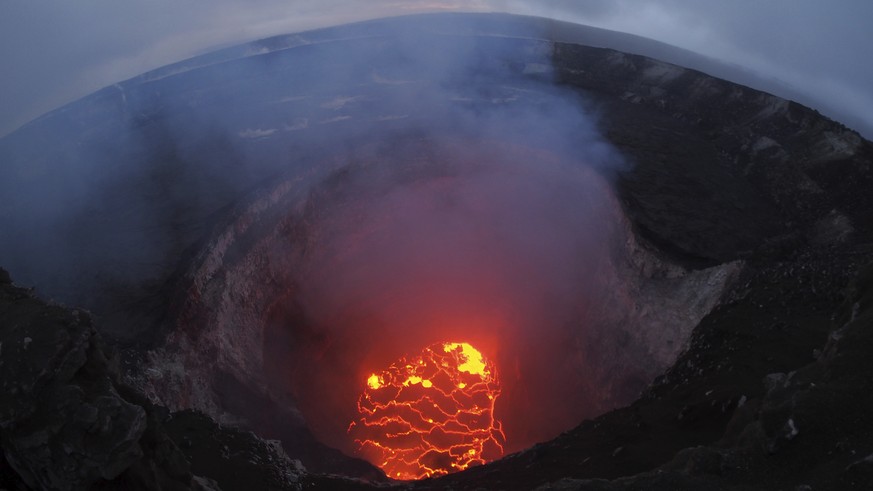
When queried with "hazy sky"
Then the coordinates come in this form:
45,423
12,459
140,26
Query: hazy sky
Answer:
54,51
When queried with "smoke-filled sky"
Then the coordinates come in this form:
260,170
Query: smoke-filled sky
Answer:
54,51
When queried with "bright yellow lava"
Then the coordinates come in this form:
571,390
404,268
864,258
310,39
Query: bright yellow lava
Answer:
374,382
412,380
474,361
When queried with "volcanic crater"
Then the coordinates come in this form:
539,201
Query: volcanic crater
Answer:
619,241
302,295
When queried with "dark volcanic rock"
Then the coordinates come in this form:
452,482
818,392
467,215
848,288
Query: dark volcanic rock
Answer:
64,425
67,421
811,429
719,169
235,459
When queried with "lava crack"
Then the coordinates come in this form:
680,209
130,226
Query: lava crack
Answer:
430,415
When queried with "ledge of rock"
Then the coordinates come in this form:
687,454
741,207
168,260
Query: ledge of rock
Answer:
67,421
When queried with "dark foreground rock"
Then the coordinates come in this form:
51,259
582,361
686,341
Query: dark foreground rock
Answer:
810,430
68,422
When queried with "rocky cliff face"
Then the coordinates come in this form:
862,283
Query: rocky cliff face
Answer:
67,421
722,169
64,424
810,428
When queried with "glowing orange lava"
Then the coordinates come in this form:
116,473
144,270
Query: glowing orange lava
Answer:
430,415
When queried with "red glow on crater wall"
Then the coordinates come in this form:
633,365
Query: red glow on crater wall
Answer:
431,414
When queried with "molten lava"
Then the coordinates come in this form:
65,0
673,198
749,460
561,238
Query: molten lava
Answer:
430,415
